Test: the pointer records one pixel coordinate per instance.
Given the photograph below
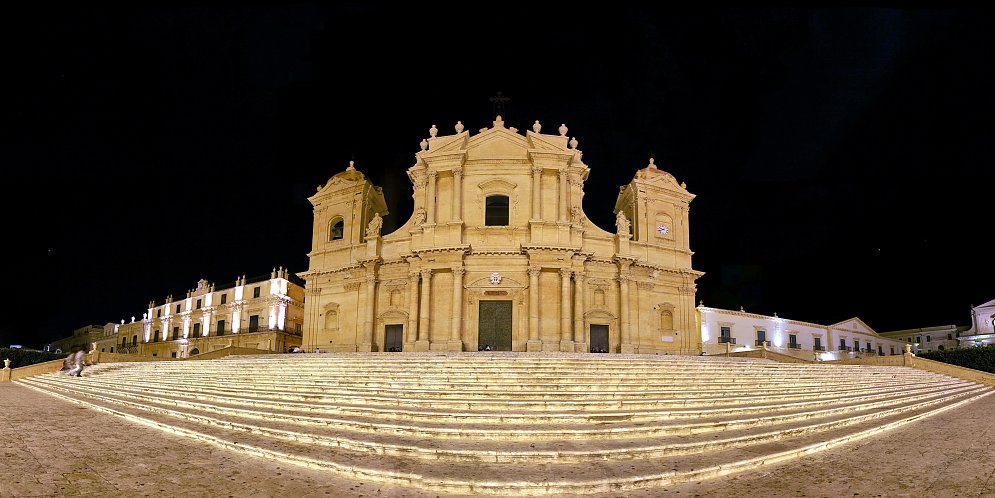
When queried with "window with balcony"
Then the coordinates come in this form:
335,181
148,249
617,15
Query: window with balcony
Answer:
255,292
196,330
198,304
761,337
793,341
254,323
176,333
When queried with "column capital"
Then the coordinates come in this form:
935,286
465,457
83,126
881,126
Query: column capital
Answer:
413,275
459,271
580,276
565,272
432,173
457,171
534,271
426,273
536,170
623,278
371,278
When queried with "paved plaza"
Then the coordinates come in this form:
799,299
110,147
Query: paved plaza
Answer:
55,448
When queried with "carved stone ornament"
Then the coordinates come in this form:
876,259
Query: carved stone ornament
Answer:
563,130
622,224
433,131
495,278
373,229
459,127
419,216
573,143
536,126
423,144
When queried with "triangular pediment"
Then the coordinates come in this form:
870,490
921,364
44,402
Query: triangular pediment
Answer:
854,324
987,305
497,143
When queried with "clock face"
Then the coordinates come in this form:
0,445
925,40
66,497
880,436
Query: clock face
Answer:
663,229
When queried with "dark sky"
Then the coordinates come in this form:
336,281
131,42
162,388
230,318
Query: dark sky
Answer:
842,159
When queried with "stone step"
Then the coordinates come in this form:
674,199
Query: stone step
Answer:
507,413
442,392
475,477
720,421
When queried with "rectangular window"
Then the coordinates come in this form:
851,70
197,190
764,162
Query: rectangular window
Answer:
869,348
761,336
173,354
255,292
919,339
929,339
176,333
893,350
818,344
198,304
950,337
155,338
196,330
724,332
842,344
224,298
254,322
112,349
177,308
496,210
221,327
793,341
158,312
134,340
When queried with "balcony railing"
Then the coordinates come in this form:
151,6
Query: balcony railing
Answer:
818,348
761,343
846,348
727,340
794,346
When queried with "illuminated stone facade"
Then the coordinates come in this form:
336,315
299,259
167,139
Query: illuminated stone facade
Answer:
982,331
499,252
732,331
261,313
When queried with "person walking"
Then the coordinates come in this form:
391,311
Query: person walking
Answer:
79,361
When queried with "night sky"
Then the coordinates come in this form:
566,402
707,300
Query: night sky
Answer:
842,159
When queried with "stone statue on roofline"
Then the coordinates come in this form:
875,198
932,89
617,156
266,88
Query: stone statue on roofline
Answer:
622,224
373,229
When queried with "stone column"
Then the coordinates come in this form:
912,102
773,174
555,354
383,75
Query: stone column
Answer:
410,334
370,312
580,341
457,206
422,344
623,298
566,344
430,198
536,192
456,334
534,343
563,196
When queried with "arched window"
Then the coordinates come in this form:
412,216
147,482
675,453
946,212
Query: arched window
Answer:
497,211
336,229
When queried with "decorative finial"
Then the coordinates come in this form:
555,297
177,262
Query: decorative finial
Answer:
122,321
433,131
563,130
352,166
132,318
775,314
6,364
684,185
701,303
573,143
652,163
536,126
423,144
741,309
459,127
498,122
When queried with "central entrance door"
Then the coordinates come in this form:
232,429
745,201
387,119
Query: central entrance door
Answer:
599,338
393,338
494,328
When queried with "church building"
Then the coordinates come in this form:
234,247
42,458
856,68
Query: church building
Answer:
498,254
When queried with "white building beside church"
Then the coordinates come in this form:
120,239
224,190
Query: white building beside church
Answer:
726,330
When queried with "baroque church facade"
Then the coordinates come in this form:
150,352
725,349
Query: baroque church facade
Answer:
498,254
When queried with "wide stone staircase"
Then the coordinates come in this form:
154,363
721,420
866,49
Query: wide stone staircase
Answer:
515,423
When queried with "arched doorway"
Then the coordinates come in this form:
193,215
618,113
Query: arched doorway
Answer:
194,351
